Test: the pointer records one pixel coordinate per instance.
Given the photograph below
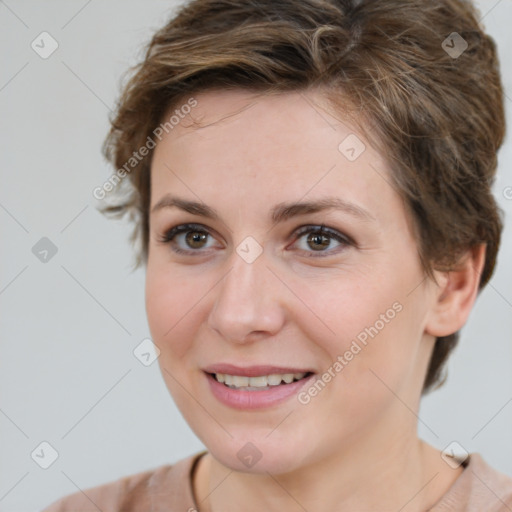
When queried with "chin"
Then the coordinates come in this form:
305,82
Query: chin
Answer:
258,453
251,459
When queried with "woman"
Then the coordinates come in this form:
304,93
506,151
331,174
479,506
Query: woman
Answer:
310,183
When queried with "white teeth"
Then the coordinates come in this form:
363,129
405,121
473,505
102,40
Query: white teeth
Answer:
256,382
274,379
238,381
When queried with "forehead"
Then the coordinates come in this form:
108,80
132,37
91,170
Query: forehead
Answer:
280,147
289,118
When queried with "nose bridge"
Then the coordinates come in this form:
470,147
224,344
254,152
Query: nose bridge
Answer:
247,300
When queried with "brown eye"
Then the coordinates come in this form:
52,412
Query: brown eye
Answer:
186,239
320,239
195,239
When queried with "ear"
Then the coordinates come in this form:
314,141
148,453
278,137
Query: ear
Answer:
456,293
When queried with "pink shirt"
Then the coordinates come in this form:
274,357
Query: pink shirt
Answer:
168,488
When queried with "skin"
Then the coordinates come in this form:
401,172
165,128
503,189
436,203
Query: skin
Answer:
354,446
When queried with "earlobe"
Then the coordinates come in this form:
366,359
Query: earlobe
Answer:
456,294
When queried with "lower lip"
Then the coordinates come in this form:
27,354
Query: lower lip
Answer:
240,399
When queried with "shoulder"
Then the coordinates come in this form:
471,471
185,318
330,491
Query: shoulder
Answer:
155,489
490,483
479,487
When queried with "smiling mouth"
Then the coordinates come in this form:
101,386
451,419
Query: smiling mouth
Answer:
259,383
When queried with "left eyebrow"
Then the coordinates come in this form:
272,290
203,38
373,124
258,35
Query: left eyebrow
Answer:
284,211
279,213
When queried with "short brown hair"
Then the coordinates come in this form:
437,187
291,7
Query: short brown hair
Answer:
439,115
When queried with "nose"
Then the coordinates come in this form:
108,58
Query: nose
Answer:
249,302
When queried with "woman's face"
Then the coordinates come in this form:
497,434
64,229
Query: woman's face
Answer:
259,291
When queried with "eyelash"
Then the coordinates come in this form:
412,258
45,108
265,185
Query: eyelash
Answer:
171,233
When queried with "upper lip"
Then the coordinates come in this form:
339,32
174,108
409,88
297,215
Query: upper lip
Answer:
252,371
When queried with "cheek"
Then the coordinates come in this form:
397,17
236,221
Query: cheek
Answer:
171,308
343,305
372,325
368,361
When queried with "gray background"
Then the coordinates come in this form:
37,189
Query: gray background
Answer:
68,327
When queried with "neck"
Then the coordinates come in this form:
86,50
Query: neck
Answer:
393,472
